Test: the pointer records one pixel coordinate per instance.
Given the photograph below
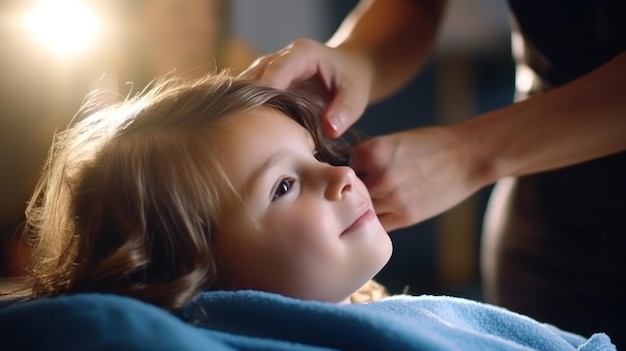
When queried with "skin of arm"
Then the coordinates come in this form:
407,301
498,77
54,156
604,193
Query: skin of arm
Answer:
577,122
394,38
416,174
378,48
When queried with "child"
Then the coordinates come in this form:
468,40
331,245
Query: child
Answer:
230,186
218,184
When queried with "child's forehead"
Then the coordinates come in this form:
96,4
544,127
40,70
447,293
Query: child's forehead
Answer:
259,121
256,141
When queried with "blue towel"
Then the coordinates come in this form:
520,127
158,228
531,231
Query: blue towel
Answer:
252,320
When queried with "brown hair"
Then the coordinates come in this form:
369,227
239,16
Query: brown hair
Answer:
130,195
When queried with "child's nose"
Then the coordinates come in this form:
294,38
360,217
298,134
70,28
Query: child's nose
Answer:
340,182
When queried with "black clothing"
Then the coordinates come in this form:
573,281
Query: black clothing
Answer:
559,252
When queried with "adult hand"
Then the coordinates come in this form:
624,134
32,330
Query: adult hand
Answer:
344,76
416,174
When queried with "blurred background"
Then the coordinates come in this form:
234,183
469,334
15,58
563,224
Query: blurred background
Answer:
54,52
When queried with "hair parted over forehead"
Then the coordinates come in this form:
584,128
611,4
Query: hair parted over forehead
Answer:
130,196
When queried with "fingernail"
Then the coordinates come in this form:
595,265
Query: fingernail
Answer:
333,126
330,128
336,121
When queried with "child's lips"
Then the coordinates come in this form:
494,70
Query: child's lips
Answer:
362,217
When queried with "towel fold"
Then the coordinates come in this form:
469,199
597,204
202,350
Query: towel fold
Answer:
253,320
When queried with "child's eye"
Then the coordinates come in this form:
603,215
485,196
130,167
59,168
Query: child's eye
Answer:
284,186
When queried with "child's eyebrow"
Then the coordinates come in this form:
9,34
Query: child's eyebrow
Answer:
256,174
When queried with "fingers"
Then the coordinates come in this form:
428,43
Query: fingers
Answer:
346,83
297,62
280,79
385,196
364,159
372,161
344,110
388,200
255,68
397,211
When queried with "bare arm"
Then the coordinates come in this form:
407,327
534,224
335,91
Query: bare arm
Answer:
377,49
577,122
417,174
395,37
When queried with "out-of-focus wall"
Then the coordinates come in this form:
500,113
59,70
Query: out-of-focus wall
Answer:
271,24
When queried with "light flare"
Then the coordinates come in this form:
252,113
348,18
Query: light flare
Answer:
64,26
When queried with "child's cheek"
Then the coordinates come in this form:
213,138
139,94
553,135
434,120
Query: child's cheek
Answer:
305,221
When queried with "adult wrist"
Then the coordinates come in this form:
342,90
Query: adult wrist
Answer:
476,155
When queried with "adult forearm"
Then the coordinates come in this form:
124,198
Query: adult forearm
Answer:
577,122
391,39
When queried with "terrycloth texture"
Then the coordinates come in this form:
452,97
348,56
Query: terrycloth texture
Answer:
252,320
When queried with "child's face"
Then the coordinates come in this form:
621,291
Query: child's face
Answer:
310,230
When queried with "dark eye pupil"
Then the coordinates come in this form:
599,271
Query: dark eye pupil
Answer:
282,189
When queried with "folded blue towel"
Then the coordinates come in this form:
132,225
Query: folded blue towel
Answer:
253,320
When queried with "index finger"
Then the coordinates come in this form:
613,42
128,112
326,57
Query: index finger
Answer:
297,62
254,69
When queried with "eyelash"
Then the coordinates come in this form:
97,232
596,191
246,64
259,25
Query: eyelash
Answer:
290,181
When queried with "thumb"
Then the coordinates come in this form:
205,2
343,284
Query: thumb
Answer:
343,111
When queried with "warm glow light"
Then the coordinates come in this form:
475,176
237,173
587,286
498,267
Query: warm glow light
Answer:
65,26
